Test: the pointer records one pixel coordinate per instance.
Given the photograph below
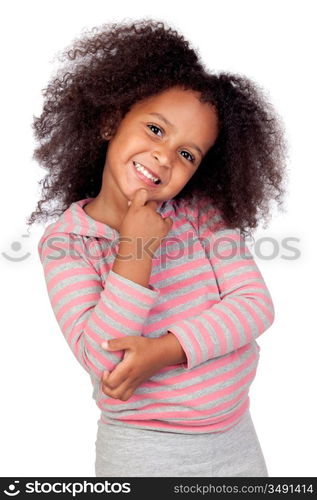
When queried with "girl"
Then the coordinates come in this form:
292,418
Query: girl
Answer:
160,168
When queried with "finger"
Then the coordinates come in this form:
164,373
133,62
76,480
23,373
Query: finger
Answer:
169,222
152,204
128,389
118,376
112,393
120,391
127,395
140,198
117,344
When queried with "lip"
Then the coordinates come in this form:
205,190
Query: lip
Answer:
145,179
151,171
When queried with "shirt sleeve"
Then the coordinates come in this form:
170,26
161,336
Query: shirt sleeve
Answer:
245,309
90,308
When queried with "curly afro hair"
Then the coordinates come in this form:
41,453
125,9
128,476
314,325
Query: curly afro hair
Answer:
110,68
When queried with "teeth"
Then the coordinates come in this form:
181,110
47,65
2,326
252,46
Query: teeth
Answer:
146,172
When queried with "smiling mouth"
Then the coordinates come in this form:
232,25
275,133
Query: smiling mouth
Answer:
146,174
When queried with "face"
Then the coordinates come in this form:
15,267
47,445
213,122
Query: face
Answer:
168,135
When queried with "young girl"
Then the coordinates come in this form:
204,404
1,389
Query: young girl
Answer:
159,168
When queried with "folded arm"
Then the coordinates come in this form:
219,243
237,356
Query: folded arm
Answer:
245,309
88,310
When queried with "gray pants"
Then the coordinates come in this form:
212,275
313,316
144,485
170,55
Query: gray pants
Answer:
129,452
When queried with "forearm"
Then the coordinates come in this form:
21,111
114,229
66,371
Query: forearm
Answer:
139,270
129,265
171,349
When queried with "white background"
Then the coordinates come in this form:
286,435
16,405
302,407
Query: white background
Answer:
48,417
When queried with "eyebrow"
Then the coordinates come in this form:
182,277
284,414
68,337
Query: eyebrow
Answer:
165,120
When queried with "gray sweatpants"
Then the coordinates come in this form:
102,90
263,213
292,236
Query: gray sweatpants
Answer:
129,452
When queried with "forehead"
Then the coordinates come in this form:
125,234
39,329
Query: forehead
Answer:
174,97
183,109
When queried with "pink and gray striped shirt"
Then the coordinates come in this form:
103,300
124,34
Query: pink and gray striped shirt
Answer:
205,288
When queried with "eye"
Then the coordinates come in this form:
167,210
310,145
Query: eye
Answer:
191,156
154,127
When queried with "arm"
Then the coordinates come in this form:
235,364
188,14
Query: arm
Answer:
171,349
133,269
87,312
144,357
245,309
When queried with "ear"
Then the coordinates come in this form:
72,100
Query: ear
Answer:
106,135
109,130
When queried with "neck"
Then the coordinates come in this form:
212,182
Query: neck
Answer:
101,211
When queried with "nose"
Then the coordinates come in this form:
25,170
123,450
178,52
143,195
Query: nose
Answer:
164,156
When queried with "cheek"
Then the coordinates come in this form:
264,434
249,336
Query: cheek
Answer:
179,178
184,173
124,142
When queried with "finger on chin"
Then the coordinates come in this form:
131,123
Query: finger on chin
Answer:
152,204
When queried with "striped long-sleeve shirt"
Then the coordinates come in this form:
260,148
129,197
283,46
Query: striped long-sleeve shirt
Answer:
205,288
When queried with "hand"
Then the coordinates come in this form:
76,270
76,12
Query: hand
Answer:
143,358
143,221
